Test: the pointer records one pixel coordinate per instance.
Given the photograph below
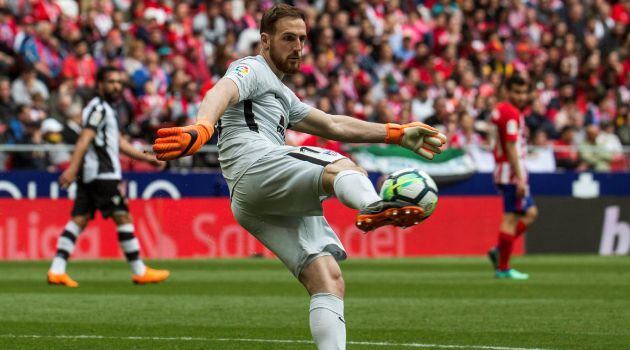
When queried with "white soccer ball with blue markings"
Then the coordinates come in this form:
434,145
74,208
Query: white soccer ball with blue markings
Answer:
411,186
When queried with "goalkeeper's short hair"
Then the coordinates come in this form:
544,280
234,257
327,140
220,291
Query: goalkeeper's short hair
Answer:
276,13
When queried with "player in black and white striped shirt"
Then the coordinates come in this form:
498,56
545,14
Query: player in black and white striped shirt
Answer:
95,166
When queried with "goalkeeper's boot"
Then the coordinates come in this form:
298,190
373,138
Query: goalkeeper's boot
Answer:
61,279
384,213
511,274
151,276
493,255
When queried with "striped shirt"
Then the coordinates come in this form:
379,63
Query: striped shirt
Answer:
101,161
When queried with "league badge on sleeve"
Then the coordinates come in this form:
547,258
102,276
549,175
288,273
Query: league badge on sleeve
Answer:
512,127
241,70
95,118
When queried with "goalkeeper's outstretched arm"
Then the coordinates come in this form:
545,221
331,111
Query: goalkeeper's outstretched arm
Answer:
418,137
178,142
217,100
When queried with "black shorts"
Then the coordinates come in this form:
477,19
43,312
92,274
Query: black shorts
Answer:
103,195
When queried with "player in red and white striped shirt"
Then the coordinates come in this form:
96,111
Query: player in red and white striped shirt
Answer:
510,175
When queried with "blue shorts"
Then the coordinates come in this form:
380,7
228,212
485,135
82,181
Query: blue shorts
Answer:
512,203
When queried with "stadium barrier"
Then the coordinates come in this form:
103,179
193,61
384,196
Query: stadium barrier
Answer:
200,228
188,216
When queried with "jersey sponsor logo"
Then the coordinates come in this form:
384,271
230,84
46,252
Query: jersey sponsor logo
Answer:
241,70
330,153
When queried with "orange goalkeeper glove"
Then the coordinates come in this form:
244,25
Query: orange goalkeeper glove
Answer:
179,142
418,137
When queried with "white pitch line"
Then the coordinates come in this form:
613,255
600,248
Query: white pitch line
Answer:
283,341
386,344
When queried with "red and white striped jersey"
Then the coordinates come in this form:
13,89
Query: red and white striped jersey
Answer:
510,127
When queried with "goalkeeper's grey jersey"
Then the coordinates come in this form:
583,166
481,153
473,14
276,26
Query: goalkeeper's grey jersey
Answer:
101,161
257,123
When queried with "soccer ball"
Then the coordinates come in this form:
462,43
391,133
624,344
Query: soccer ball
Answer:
411,186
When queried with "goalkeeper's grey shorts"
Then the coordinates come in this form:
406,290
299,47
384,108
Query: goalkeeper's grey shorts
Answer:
279,201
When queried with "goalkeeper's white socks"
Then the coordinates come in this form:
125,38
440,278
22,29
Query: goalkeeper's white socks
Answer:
131,247
65,247
328,325
354,189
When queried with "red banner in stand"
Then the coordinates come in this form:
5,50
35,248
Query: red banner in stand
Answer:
205,228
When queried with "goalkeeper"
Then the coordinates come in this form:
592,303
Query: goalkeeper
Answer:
276,190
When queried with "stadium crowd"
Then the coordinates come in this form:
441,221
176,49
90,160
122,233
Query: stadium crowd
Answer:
436,61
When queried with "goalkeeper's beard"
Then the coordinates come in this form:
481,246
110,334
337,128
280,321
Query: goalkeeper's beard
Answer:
284,64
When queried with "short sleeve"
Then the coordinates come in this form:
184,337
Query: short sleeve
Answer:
298,109
242,74
95,117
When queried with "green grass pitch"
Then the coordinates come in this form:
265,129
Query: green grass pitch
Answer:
571,302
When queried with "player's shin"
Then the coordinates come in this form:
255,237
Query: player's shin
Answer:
131,247
65,246
327,322
521,227
506,242
354,189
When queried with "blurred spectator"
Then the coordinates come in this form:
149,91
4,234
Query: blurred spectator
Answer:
45,10
540,158
563,109
612,144
211,24
624,129
406,50
52,134
151,109
468,139
81,68
184,107
39,107
134,59
422,105
7,105
440,115
150,71
72,126
27,85
7,112
8,30
537,120
465,136
609,140
593,150
565,151
125,111
42,50
24,130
